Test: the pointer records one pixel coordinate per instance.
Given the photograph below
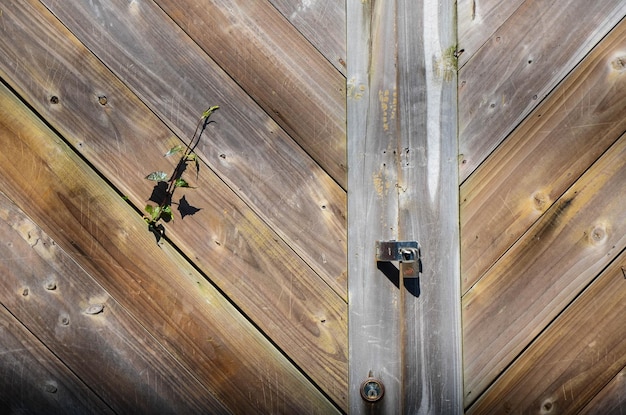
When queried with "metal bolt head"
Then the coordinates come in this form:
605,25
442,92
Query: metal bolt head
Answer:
372,390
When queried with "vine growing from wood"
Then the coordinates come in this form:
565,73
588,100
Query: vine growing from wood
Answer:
163,191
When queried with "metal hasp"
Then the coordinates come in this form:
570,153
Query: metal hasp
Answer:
405,252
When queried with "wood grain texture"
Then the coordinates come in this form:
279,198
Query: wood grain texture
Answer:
521,63
247,150
109,351
545,270
543,157
403,184
154,283
226,240
429,205
374,328
611,400
276,66
323,23
33,380
478,20
573,360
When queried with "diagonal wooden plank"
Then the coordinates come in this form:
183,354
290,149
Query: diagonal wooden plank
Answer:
225,239
278,67
478,20
543,157
573,360
611,400
159,287
109,351
323,23
33,380
545,270
521,63
247,150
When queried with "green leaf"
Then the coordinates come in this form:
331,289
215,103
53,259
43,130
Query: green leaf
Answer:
166,213
154,212
157,176
174,150
191,157
181,183
206,114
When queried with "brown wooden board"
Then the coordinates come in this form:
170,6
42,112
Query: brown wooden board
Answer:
276,66
573,360
611,400
248,261
520,64
545,270
246,148
99,341
153,282
323,23
32,379
543,157
403,182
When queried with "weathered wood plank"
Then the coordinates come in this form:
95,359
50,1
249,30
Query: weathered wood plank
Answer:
228,242
278,67
478,20
33,380
374,330
543,157
248,151
521,63
573,360
161,289
323,23
403,183
545,270
109,351
611,400
429,205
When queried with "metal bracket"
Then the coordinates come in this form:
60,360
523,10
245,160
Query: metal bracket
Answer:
405,252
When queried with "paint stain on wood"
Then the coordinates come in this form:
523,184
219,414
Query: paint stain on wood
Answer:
388,106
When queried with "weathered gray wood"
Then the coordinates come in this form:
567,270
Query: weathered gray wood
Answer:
573,360
545,270
109,351
239,252
165,293
323,23
544,156
245,147
374,334
403,182
33,380
521,63
478,20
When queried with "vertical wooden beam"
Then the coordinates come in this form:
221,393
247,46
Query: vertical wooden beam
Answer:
403,184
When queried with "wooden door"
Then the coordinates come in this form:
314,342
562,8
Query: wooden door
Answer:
240,306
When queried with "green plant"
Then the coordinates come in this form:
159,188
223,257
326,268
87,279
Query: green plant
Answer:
163,191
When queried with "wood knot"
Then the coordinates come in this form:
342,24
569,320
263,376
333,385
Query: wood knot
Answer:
619,63
598,235
540,201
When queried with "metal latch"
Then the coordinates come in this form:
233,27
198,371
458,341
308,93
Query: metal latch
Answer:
405,252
